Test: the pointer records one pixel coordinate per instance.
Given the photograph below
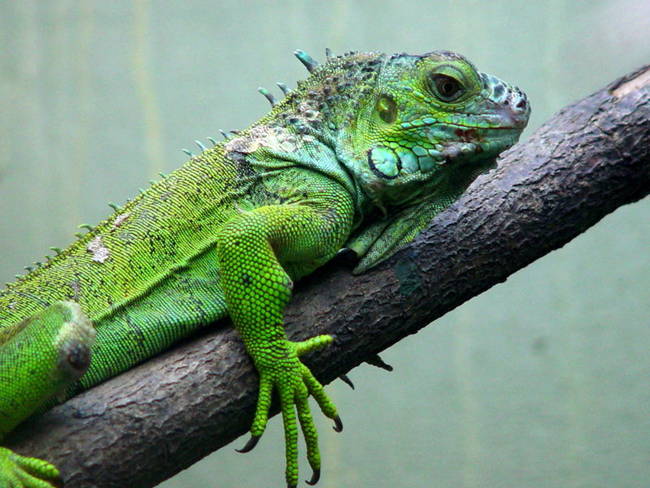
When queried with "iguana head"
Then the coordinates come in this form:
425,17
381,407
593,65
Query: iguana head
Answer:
427,126
406,127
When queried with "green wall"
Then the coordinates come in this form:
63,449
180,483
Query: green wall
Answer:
543,381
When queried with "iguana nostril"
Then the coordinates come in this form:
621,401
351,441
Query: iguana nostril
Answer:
498,91
521,104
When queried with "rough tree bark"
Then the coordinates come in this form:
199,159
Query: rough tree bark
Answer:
149,423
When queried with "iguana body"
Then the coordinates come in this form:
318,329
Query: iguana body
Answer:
364,137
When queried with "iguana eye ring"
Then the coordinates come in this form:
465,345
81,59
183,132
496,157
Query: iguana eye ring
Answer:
446,88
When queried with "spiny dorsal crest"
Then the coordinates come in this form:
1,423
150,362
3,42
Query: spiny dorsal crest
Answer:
335,85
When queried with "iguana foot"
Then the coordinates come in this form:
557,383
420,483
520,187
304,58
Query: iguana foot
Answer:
281,369
24,472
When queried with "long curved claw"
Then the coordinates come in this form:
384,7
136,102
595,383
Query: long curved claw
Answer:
379,362
338,425
314,478
250,445
346,379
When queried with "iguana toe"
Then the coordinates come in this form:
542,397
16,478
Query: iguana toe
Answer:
24,472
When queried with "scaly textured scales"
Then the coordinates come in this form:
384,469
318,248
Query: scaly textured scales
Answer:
362,154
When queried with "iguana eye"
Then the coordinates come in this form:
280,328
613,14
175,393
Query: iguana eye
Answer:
386,108
446,88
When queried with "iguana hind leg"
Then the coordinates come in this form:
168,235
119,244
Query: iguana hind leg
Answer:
39,359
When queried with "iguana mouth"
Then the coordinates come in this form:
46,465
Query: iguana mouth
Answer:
484,137
418,125
499,127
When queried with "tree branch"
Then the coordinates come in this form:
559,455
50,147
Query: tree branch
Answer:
149,423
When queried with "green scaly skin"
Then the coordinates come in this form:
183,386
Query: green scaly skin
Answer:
362,155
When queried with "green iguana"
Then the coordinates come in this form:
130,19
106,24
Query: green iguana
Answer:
362,154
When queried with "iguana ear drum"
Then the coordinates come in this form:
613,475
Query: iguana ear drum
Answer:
386,108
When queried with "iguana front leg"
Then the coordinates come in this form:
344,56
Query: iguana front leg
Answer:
259,252
39,358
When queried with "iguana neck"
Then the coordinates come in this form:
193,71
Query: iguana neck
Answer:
271,145
307,127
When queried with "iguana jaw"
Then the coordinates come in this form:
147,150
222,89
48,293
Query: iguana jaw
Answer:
458,143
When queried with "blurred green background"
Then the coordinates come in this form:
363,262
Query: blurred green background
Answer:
543,381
